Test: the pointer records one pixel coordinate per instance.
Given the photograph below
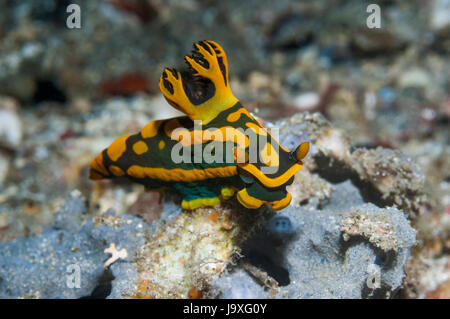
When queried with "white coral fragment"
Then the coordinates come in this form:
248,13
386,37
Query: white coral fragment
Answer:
115,254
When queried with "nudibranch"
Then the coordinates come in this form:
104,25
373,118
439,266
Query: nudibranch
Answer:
244,157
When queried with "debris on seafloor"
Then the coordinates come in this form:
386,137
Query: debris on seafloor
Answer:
441,292
115,254
11,126
126,85
191,250
375,228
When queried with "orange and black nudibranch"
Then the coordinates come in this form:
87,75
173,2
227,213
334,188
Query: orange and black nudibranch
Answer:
203,93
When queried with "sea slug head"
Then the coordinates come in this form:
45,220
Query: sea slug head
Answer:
266,180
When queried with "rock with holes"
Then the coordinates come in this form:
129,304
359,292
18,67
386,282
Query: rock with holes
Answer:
322,264
347,249
386,177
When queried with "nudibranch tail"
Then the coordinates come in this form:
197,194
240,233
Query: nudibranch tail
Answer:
97,169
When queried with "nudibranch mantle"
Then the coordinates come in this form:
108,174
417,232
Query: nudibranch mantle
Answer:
246,158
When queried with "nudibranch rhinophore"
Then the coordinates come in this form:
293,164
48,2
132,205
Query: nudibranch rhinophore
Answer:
224,148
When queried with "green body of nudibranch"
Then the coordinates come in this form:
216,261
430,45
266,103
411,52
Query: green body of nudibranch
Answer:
209,163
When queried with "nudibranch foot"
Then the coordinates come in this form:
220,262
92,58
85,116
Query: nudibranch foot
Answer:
200,202
227,192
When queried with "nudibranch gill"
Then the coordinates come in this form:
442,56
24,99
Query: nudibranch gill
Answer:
228,133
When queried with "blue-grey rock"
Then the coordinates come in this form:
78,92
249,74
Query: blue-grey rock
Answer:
322,265
237,285
47,265
320,262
